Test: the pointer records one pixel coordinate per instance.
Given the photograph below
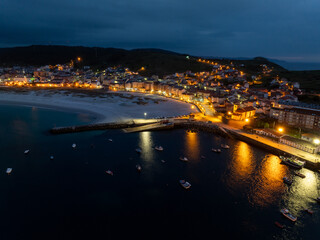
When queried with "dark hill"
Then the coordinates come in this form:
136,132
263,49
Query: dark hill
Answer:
155,61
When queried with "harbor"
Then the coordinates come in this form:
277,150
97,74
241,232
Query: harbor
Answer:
139,125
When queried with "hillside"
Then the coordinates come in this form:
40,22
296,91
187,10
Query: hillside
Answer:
155,61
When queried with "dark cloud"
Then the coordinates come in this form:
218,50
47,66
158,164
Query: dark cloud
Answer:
286,29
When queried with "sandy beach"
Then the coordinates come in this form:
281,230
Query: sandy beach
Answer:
106,106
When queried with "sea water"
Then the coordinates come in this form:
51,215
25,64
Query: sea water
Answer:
234,194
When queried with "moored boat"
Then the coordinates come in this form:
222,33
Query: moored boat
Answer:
279,225
138,167
51,157
225,146
285,212
138,150
109,172
292,162
309,211
110,140
184,159
185,184
300,174
158,148
26,151
318,199
9,170
216,150
74,145
287,180
203,157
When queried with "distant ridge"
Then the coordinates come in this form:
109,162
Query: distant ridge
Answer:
155,61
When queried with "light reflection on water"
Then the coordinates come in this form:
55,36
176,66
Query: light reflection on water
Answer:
268,181
192,146
242,164
146,144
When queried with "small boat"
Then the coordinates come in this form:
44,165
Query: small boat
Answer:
109,172
110,140
300,174
184,159
225,146
9,170
158,148
138,167
318,199
51,157
216,150
285,212
26,151
292,162
138,150
309,211
74,145
163,161
203,157
279,225
185,184
287,180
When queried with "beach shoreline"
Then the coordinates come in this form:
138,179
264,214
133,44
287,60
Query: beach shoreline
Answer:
105,107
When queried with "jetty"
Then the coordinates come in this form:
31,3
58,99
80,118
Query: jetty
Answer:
134,125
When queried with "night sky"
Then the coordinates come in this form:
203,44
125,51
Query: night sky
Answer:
282,29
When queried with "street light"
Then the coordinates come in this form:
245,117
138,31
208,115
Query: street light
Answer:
280,129
246,120
316,141
192,107
145,114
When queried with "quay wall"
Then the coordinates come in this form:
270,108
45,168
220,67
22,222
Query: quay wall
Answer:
91,127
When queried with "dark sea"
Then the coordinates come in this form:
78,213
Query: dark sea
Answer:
236,194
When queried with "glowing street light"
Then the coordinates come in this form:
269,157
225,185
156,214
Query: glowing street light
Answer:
79,59
280,129
192,107
145,114
316,141
246,120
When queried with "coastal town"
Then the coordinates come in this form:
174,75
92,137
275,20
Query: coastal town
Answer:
224,95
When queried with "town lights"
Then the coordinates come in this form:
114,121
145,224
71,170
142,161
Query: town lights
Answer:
316,141
229,113
280,129
192,107
145,114
246,120
79,59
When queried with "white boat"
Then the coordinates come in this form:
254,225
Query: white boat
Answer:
51,157
185,184
159,148
138,167
163,161
225,146
184,159
26,151
110,140
285,212
9,170
138,150
216,150
109,172
74,145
